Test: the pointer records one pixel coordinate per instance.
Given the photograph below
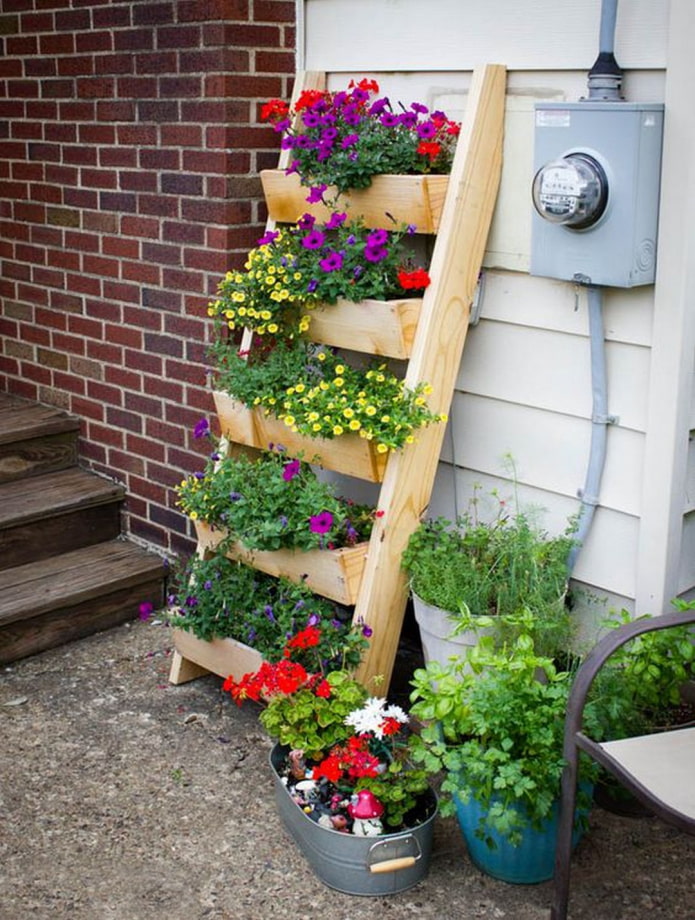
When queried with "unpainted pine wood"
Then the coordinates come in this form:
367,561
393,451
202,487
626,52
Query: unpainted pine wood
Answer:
414,200
437,350
377,327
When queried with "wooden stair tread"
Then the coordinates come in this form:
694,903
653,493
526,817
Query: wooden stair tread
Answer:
30,590
52,494
21,419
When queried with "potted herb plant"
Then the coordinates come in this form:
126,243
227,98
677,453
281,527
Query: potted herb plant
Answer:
493,723
345,783
474,577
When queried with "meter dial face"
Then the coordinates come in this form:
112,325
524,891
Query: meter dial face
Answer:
572,191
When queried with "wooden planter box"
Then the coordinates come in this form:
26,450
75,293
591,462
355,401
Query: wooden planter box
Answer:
252,427
377,327
414,200
223,657
335,573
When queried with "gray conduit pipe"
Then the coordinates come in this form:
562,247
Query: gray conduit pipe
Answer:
599,424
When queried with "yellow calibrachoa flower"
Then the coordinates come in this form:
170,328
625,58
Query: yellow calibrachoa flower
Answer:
381,448
354,424
272,328
289,420
338,430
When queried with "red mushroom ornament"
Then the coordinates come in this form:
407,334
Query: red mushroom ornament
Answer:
366,810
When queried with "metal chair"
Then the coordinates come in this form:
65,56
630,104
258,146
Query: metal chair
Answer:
657,769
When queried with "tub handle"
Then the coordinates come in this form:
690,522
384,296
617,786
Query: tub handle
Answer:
398,862
393,865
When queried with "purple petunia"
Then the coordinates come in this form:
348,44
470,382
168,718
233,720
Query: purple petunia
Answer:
316,193
290,470
332,263
306,221
146,610
335,220
375,254
314,240
426,131
377,238
268,237
201,429
321,523
312,285
349,141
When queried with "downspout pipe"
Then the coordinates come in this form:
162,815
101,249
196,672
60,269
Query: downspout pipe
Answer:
605,77
600,419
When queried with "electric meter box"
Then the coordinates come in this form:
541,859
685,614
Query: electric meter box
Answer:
597,172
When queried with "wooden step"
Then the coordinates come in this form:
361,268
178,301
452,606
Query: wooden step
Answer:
56,513
66,597
35,439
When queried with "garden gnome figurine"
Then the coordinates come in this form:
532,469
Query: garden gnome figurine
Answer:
366,810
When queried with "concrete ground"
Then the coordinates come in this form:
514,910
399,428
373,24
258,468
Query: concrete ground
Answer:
123,797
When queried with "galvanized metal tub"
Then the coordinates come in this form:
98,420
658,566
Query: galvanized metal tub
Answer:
370,866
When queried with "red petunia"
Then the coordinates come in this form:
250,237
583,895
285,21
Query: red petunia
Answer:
415,280
274,109
429,149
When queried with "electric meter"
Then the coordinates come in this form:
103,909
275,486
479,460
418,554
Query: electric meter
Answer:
572,191
595,191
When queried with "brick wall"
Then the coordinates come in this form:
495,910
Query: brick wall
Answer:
129,153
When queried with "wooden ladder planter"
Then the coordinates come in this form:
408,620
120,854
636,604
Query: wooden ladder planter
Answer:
463,207
195,657
417,200
253,428
333,573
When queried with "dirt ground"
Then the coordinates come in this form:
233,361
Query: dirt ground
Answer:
123,797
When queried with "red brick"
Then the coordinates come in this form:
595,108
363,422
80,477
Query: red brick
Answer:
94,265
82,284
140,226
182,135
123,157
139,135
137,87
133,39
100,351
124,335
157,62
80,198
114,63
93,41
115,111
162,205
99,178
141,272
142,318
196,10
120,291
123,378
274,11
64,258
178,36
76,66
87,327
105,434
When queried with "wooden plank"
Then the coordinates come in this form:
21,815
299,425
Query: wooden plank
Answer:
414,200
336,573
223,657
57,493
76,619
29,590
377,327
437,350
